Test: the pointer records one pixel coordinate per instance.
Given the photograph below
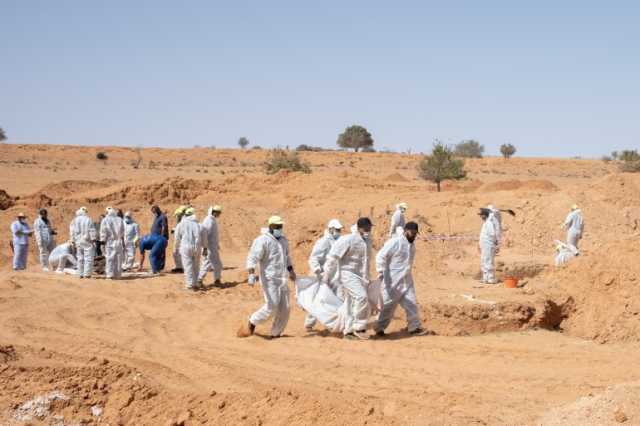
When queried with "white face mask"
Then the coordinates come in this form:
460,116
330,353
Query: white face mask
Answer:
277,233
365,236
335,235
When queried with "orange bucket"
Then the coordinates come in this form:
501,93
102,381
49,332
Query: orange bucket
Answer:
511,282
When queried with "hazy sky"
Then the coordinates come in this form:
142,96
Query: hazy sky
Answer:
555,78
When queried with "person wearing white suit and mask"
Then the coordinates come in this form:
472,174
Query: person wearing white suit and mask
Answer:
190,237
82,231
318,258
489,244
43,230
270,251
211,252
393,264
112,237
131,238
574,224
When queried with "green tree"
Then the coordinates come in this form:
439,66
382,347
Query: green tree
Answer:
469,149
243,142
441,165
3,135
507,150
355,137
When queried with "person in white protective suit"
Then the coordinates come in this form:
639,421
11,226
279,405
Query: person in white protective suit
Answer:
489,245
82,231
574,224
211,252
131,238
63,256
43,230
112,237
177,259
565,252
189,239
496,217
270,251
318,257
352,254
397,220
393,264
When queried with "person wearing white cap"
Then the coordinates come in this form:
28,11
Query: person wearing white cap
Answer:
393,264
397,220
574,224
270,251
112,236
21,232
351,256
318,257
190,237
131,237
44,233
62,257
82,231
211,252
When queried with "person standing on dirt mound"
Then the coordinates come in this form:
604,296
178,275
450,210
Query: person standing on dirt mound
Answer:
574,224
82,232
397,220
21,232
270,251
211,252
393,264
190,237
177,260
112,236
318,258
488,247
351,255
44,233
131,238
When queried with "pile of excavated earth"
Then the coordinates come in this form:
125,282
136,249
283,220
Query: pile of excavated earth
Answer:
559,349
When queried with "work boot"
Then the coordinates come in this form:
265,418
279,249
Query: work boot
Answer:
380,334
309,328
357,335
217,283
200,283
246,330
421,332
177,271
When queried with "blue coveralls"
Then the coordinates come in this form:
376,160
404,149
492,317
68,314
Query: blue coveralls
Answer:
156,244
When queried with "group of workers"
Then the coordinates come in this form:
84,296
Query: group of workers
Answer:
339,261
115,237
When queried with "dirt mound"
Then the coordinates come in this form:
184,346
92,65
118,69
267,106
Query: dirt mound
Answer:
603,287
620,190
515,185
618,404
396,177
6,201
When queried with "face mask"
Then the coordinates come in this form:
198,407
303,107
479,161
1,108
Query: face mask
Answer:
277,233
335,235
365,236
128,220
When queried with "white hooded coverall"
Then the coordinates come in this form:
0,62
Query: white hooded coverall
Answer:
351,254
62,256
397,220
488,245
131,235
189,239
317,259
82,232
565,253
212,259
395,261
112,235
575,225
44,237
272,255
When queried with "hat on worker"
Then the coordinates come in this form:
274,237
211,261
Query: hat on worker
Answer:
180,210
364,222
21,214
334,224
275,220
189,211
484,212
127,214
574,207
215,208
411,226
402,205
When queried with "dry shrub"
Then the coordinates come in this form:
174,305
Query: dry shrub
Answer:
280,159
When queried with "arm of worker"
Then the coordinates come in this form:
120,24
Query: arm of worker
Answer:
39,230
292,272
177,237
103,230
383,256
256,253
337,252
318,254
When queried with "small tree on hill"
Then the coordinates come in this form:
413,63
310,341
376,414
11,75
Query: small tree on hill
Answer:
469,149
102,156
507,150
3,135
441,165
355,137
243,142
629,155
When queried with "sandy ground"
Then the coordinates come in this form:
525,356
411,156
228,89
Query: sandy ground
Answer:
562,349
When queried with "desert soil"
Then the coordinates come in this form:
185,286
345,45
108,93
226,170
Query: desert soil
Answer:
561,349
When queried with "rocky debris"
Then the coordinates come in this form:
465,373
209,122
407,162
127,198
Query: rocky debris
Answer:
38,407
7,353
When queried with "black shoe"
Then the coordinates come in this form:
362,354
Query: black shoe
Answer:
177,271
421,332
380,334
252,328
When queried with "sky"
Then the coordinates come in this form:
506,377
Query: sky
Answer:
554,78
